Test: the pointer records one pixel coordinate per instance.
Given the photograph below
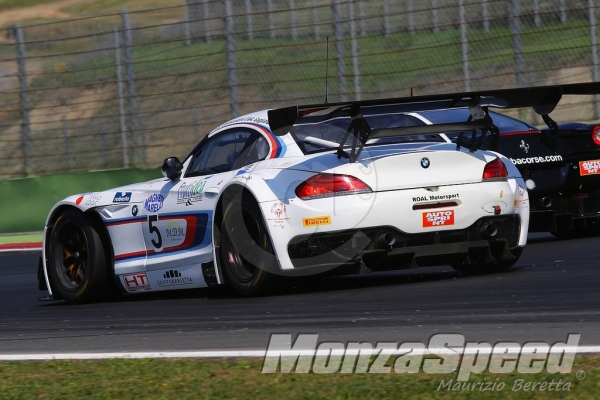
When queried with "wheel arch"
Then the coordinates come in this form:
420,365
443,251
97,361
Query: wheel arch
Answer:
228,194
98,225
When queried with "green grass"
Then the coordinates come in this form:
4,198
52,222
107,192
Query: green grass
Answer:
235,379
9,4
87,6
21,239
100,6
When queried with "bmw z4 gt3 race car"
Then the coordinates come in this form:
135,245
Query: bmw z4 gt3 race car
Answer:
304,190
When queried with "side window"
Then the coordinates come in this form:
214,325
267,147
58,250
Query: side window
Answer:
224,152
256,151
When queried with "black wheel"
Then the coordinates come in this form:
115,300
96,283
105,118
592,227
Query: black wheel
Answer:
486,268
77,260
245,248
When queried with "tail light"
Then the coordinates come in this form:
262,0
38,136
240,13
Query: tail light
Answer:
495,171
596,134
326,185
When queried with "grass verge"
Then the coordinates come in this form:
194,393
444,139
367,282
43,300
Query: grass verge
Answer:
193,378
11,4
21,239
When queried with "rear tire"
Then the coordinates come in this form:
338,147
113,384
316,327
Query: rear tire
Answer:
245,248
77,259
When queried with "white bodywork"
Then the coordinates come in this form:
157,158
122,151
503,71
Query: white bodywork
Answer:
162,231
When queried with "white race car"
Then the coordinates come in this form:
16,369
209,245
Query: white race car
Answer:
342,188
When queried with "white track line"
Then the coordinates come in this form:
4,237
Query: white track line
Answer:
231,354
33,249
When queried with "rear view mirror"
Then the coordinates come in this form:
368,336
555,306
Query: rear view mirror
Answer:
171,168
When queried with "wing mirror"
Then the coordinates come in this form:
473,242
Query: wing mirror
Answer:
171,168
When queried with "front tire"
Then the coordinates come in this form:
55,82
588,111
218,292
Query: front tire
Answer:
245,248
77,260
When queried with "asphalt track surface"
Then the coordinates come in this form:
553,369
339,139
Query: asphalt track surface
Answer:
551,292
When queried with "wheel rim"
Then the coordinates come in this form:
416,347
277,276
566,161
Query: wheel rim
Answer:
244,257
71,256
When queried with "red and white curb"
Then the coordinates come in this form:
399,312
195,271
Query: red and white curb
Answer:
34,246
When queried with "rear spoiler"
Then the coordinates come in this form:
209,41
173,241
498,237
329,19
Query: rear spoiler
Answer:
543,100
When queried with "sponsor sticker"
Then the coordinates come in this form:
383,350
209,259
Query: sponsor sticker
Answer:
79,200
436,197
315,221
92,199
536,160
278,214
175,232
122,197
523,199
438,218
258,120
173,278
136,282
591,167
154,202
189,193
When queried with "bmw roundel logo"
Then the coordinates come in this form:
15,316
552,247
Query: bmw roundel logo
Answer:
425,162
134,210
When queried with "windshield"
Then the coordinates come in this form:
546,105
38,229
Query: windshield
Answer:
326,135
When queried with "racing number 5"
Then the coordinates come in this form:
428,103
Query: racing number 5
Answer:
154,229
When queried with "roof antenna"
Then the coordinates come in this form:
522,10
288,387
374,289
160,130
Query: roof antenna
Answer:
411,92
326,68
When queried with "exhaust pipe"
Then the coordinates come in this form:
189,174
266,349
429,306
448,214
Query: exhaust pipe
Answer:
385,240
545,202
488,230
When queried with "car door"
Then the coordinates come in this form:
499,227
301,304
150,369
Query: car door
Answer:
178,227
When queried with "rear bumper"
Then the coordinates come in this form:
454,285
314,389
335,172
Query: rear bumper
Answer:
552,221
359,247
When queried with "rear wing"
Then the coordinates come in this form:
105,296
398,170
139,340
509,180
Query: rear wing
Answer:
542,99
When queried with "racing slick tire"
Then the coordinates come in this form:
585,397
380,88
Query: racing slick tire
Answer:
486,268
77,259
245,248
